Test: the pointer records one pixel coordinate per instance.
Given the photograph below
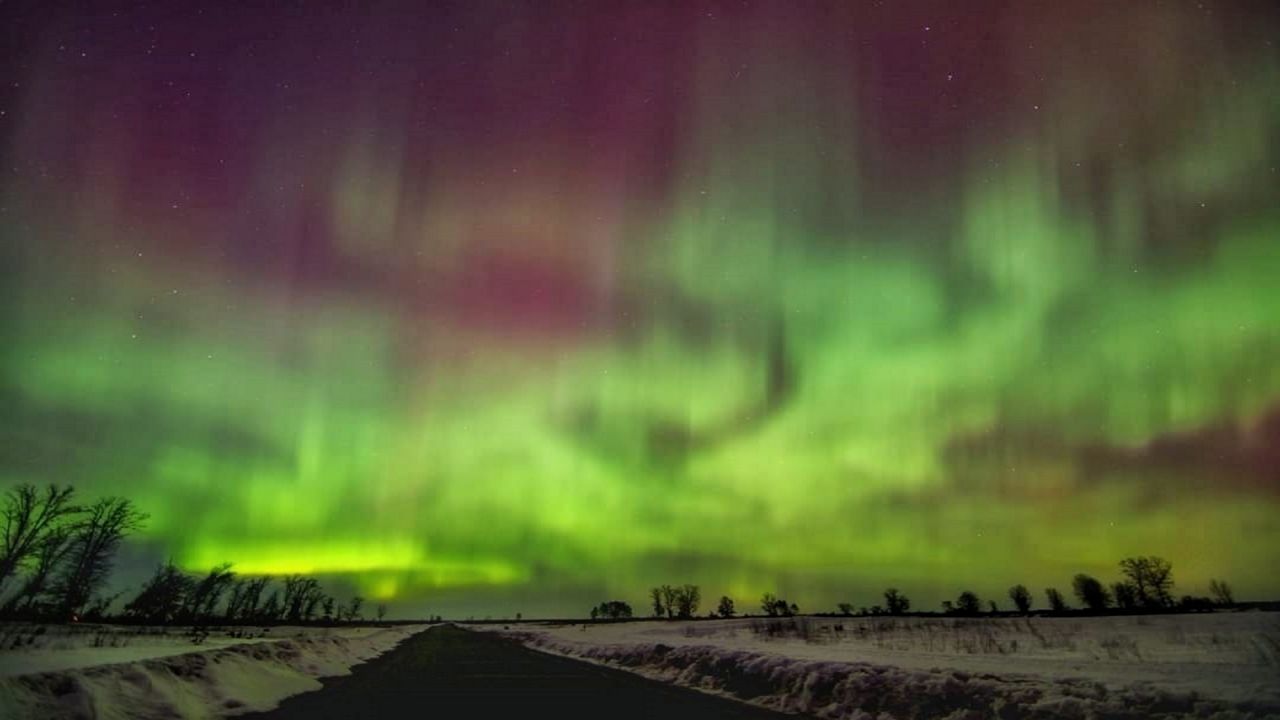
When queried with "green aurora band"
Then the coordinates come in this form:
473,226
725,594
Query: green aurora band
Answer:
534,372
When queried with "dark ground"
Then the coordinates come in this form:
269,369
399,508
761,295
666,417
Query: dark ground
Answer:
447,672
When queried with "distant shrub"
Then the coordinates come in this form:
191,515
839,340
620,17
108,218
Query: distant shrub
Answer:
1090,592
1021,598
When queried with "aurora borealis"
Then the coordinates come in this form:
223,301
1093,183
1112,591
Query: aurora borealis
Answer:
490,307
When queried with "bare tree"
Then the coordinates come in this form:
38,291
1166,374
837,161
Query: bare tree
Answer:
769,604
250,608
296,588
271,609
27,515
31,598
1222,593
207,593
352,611
382,612
1021,598
669,596
1056,603
725,609
845,608
311,601
655,598
896,602
688,598
1152,579
93,545
1126,596
163,597
1091,592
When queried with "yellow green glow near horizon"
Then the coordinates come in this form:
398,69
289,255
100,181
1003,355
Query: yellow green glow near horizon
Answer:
423,350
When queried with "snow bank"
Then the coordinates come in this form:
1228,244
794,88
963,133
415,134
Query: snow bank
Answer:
205,683
932,667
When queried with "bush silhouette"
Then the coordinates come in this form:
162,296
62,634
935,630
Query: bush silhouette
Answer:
967,603
1125,595
1021,598
1090,592
612,609
725,608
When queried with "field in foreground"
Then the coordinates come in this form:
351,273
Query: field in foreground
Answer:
1202,665
104,671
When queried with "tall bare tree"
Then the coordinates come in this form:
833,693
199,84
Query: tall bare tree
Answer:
93,546
162,597
1222,593
27,515
688,597
207,593
669,596
1152,579
49,554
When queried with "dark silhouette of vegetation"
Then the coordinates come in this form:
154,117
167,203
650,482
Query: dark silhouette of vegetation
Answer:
162,597
29,519
1125,595
1189,603
61,554
966,603
1021,598
1091,593
96,537
1152,579
32,599
688,598
612,609
245,604
206,594
895,602
674,601
302,597
774,606
1222,593
351,613
725,608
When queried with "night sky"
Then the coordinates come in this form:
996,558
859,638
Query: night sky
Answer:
486,307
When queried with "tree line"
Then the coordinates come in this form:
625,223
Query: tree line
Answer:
1146,584
56,556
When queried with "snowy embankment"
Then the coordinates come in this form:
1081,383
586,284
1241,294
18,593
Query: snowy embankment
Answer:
1213,665
115,672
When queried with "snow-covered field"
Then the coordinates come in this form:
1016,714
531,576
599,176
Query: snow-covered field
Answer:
1203,665
129,672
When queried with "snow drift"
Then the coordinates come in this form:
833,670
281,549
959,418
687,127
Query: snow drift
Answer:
202,684
824,686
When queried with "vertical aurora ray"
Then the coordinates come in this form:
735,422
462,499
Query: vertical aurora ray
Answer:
490,310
